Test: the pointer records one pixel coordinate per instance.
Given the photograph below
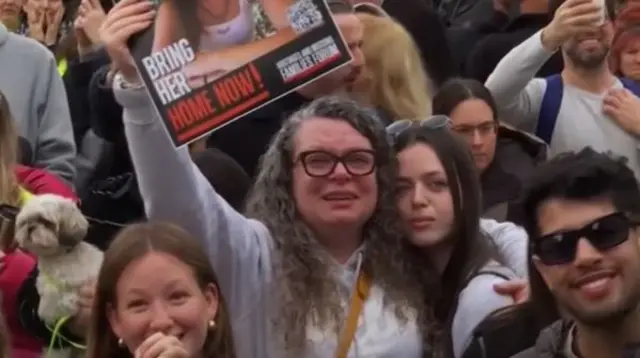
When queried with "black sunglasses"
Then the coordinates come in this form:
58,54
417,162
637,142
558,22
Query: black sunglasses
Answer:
434,122
603,234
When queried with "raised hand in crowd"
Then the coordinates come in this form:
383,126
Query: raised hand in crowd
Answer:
571,18
53,15
125,19
160,345
35,19
90,17
624,108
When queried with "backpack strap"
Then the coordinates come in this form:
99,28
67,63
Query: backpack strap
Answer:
492,269
549,108
631,85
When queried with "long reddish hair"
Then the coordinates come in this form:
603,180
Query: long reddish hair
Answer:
627,30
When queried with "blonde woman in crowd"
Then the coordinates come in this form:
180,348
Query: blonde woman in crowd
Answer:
157,296
394,78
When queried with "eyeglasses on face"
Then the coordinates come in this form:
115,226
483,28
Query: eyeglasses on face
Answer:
319,163
483,129
603,234
396,128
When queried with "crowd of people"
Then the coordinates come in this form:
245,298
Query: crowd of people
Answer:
467,186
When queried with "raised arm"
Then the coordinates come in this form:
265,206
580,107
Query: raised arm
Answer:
513,86
174,190
172,187
517,96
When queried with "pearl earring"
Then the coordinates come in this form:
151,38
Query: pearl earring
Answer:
212,324
120,342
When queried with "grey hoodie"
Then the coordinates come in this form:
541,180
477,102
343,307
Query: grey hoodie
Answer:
241,249
550,342
555,341
38,102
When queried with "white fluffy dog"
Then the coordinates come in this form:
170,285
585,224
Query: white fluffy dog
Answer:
53,228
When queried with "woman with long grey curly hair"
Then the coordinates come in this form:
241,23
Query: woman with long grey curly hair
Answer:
319,267
315,157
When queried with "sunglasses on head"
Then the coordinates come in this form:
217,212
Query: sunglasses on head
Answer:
434,122
603,234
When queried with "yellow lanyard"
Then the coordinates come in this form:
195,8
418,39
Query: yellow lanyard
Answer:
363,287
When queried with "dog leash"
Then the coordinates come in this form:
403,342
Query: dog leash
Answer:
55,335
10,212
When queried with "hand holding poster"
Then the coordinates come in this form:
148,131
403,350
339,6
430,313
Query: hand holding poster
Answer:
204,68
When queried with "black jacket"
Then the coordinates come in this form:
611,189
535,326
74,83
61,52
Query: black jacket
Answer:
517,155
76,83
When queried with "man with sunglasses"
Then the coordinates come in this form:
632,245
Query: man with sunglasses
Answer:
582,211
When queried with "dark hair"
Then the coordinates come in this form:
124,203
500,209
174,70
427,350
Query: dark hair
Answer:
458,90
224,174
583,176
471,251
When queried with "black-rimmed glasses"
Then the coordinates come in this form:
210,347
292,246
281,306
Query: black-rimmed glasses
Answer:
433,122
319,164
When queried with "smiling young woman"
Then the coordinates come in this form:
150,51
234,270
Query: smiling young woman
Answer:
157,292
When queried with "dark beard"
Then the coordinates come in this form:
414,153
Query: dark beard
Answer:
609,318
588,61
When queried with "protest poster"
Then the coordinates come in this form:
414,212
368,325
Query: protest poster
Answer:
204,65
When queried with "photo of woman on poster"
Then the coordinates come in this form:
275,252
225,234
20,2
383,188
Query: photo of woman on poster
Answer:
221,32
